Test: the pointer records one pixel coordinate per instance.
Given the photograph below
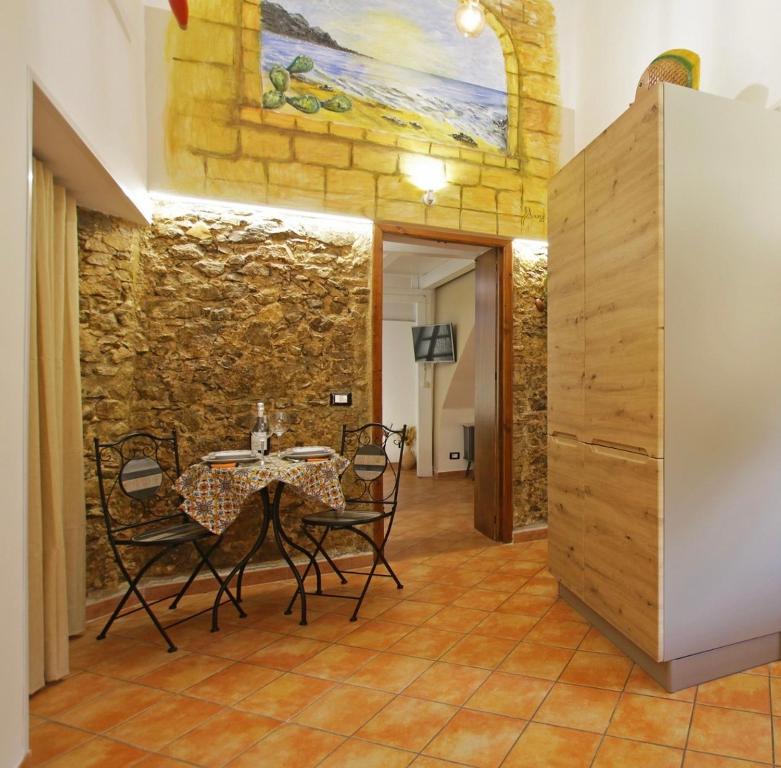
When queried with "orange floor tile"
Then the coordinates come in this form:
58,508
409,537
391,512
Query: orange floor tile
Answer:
475,663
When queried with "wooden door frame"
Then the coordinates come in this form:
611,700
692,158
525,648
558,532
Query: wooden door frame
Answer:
504,247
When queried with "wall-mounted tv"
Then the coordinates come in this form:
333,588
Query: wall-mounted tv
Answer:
434,343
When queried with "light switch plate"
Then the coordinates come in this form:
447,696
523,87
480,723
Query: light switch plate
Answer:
342,399
455,455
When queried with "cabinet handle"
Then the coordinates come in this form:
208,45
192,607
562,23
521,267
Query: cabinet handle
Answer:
564,435
606,448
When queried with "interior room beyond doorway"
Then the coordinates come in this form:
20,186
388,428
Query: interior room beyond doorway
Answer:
431,284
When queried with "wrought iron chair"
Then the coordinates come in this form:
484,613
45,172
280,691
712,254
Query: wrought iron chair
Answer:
136,475
368,501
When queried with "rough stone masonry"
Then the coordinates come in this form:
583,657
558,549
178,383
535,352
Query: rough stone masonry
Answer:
190,321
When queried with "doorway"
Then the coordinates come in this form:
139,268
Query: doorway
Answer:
489,258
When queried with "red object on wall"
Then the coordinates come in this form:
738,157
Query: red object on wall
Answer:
181,11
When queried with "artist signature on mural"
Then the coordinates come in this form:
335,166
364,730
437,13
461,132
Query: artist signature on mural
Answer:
530,216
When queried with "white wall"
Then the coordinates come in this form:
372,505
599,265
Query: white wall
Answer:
399,378
568,40
455,303
88,57
614,41
14,154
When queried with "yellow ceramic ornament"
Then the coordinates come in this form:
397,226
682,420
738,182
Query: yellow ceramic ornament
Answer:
678,66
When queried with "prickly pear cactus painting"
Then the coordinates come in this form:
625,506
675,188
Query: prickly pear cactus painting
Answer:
392,65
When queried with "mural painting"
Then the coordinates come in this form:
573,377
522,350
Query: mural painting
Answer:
393,65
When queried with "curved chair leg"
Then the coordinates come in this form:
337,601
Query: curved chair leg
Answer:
218,579
258,544
369,576
281,539
133,589
334,566
312,562
379,557
194,573
385,562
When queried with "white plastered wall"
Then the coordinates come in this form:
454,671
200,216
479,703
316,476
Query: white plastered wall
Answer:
399,378
14,161
604,46
88,57
455,303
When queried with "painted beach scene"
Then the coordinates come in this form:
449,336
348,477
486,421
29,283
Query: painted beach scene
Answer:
389,65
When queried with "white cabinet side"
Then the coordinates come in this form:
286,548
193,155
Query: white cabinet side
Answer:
722,494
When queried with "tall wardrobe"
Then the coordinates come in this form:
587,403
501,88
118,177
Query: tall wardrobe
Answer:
664,388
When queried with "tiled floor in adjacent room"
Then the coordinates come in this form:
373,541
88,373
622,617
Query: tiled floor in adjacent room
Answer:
474,663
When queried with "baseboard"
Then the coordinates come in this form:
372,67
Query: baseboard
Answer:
677,674
258,574
530,533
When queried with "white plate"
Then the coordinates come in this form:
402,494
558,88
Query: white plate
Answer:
307,451
227,456
233,454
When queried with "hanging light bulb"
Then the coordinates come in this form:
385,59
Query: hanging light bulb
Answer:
470,18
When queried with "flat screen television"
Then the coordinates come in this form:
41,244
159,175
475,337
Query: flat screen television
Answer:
434,343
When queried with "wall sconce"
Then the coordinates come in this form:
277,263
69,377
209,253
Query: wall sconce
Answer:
427,174
470,18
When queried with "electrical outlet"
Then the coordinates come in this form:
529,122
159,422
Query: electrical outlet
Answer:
455,455
342,399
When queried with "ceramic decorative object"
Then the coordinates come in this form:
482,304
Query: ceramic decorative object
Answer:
409,460
678,66
181,12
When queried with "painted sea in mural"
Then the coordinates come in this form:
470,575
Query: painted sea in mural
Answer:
430,85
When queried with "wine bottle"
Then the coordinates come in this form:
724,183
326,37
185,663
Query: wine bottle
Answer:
259,435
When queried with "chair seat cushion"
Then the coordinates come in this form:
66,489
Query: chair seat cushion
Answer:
172,534
345,518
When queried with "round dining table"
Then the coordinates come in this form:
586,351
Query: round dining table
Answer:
213,496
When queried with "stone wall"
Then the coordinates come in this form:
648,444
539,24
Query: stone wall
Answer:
111,338
219,143
530,387
191,321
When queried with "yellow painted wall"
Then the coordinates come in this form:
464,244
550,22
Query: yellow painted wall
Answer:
221,144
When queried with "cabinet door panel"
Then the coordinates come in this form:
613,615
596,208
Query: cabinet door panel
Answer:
566,299
624,282
565,511
623,543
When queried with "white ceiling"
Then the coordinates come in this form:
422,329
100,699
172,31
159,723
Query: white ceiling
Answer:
426,264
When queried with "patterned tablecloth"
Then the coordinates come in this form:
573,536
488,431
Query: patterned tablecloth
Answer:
214,497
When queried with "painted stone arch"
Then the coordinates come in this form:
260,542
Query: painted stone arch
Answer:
219,142
395,66
511,67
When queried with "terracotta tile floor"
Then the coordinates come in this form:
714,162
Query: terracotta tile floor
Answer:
475,663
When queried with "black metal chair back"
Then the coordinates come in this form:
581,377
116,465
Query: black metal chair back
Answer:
370,466
136,476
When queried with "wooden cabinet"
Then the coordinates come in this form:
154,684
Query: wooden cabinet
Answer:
566,350
605,393
624,300
664,465
622,543
566,511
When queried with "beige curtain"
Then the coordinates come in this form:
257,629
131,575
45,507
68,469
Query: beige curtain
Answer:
56,526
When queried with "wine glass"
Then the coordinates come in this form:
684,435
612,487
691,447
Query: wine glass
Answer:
279,422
